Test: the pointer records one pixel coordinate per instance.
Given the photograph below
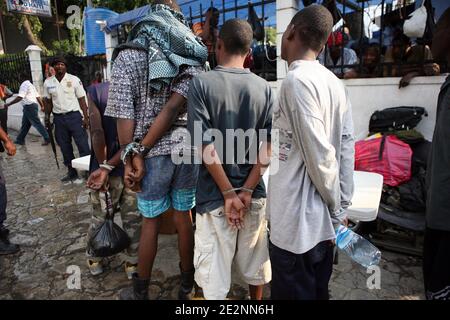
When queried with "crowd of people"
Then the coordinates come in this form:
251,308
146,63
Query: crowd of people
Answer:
402,58
141,121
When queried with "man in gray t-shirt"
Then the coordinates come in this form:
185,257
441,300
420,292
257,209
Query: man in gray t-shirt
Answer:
230,119
246,104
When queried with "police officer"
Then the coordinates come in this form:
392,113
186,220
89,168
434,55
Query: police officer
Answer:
66,98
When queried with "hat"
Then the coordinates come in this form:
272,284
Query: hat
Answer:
335,39
58,60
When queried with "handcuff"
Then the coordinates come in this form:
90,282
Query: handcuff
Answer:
106,166
133,148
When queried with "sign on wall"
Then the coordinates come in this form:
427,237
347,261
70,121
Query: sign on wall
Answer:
31,7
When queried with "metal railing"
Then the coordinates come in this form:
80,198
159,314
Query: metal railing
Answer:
84,68
14,68
389,18
263,53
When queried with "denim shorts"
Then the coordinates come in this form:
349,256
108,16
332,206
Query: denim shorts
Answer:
167,185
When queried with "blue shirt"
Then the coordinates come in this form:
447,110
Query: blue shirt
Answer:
99,95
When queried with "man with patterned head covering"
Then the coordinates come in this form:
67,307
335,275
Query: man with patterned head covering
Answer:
150,80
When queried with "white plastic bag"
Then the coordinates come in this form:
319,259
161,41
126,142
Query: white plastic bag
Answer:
415,26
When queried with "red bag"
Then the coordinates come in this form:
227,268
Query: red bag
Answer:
248,63
387,156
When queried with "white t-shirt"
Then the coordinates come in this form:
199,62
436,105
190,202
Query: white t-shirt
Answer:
64,94
28,93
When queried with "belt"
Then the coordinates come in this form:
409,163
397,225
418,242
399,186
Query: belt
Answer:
64,114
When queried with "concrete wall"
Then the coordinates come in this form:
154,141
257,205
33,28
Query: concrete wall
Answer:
286,9
369,95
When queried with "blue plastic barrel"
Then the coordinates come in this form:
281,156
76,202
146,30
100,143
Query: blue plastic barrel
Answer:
94,38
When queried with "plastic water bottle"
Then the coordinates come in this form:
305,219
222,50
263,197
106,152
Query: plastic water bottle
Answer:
358,248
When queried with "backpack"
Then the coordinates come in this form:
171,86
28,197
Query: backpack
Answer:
397,118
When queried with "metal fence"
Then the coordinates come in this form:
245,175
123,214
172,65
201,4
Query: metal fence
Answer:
372,29
14,69
85,68
263,61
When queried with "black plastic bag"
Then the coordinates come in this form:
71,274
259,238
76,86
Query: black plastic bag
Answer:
108,238
332,7
413,193
255,22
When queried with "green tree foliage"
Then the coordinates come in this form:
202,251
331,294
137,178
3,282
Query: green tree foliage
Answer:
271,35
32,27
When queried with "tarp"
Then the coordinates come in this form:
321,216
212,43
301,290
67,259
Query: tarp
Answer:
131,17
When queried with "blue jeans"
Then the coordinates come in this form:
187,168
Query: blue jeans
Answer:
301,276
30,118
68,126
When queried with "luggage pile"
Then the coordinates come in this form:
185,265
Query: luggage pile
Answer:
396,150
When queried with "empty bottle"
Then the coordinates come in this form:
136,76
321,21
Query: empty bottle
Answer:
358,248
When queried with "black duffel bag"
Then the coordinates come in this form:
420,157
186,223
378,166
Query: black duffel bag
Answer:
413,194
397,118
108,238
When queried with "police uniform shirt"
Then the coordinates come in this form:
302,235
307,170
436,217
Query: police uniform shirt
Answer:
64,94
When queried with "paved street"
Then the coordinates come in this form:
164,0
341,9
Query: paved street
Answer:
49,220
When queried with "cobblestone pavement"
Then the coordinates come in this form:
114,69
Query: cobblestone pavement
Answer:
49,220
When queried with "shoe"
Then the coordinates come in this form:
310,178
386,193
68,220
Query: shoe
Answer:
187,284
130,269
7,247
139,290
45,143
71,175
95,267
19,143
